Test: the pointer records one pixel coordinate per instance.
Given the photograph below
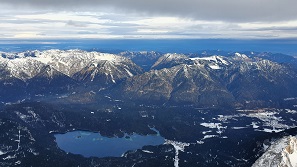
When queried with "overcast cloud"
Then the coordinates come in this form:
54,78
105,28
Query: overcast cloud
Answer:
148,18
222,10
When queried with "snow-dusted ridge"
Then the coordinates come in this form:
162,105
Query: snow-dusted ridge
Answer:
26,65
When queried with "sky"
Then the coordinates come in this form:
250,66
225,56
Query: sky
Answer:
148,19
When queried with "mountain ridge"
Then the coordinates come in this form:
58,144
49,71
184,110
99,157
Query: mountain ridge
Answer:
233,80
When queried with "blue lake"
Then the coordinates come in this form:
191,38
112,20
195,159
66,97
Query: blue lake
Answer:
91,144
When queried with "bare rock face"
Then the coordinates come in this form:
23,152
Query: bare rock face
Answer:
283,153
289,155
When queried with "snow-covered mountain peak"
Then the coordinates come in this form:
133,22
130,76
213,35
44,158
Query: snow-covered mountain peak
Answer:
26,65
242,56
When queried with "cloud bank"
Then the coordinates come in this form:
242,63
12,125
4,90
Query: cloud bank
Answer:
216,10
142,19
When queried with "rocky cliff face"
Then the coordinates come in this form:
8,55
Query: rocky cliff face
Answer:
283,153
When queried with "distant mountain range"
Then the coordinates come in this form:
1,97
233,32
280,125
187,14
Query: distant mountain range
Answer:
208,79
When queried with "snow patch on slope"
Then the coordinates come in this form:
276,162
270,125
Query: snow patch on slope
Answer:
216,59
2,153
214,62
215,67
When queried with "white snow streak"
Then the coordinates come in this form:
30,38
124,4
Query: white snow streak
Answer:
178,146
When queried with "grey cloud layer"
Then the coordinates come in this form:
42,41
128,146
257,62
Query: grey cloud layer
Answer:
221,10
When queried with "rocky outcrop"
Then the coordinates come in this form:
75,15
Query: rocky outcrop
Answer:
283,153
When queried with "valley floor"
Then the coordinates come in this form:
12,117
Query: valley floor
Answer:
194,136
